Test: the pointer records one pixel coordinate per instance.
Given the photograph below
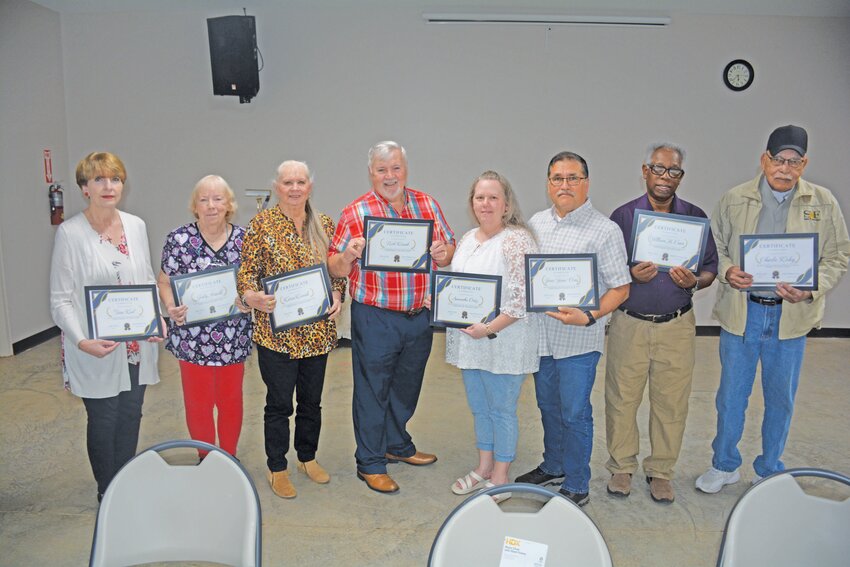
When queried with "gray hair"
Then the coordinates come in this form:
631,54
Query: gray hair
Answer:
290,163
218,182
314,231
383,150
664,146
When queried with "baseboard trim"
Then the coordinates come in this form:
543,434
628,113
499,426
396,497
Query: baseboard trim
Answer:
35,340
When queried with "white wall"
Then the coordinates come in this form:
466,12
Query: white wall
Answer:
461,99
32,118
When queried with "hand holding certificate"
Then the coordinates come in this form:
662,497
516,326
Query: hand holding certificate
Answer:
397,245
301,296
561,280
210,295
461,299
123,312
669,240
786,258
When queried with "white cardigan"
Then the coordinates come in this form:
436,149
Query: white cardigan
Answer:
77,262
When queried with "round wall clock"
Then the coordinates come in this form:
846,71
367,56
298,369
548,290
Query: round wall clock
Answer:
738,75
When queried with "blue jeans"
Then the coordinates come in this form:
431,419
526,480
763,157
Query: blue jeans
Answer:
780,373
563,395
493,400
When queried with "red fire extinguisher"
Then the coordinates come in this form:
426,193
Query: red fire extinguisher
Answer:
57,204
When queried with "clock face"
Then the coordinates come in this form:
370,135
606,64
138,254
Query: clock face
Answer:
738,75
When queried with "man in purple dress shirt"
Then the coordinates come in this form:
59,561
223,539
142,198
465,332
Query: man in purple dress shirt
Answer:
652,337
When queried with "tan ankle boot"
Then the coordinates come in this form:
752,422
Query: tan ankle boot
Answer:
281,485
314,471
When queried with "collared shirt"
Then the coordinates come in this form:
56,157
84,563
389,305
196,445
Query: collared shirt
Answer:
583,231
660,295
273,246
397,291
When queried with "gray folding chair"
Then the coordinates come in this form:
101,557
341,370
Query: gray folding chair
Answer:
478,532
153,511
775,523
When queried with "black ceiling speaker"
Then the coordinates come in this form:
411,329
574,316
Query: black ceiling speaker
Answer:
233,54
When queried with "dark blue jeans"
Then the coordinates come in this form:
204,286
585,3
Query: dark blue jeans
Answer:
112,433
389,351
283,376
563,389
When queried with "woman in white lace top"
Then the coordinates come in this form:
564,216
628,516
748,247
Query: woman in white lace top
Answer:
493,369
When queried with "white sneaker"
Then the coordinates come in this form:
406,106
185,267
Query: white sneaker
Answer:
713,480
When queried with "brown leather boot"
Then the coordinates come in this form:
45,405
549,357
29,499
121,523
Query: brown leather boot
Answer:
281,485
314,471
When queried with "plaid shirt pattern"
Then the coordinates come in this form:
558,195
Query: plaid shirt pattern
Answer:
583,231
389,290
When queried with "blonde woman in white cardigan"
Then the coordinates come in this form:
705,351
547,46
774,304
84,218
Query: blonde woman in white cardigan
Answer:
102,246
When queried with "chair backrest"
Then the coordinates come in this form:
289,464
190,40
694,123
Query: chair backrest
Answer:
153,511
776,523
479,532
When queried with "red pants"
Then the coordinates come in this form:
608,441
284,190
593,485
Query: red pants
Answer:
208,387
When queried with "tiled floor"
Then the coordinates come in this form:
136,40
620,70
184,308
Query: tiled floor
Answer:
47,493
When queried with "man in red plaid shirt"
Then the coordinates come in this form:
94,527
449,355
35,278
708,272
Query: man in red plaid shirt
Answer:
389,307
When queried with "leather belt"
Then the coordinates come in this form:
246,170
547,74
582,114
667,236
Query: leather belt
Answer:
657,318
413,312
769,301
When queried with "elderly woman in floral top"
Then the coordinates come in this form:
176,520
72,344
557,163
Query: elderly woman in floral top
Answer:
102,246
287,237
212,356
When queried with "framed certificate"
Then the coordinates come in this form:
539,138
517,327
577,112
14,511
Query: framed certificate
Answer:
669,240
210,295
561,280
123,312
786,258
301,296
459,299
397,245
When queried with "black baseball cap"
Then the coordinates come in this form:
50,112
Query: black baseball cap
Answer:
788,138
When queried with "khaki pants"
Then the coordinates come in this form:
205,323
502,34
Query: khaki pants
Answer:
664,354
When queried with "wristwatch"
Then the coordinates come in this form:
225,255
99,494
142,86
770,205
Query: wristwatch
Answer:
591,320
490,333
693,290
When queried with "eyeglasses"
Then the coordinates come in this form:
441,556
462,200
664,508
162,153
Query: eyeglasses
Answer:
793,163
571,181
659,170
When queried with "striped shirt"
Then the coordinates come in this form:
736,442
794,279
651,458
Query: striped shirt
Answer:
583,231
397,291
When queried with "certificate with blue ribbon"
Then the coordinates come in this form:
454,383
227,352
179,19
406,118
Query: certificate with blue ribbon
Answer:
123,312
561,280
460,299
786,258
301,296
668,240
397,245
210,295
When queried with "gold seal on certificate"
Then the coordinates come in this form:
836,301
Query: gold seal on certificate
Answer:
397,245
560,280
302,296
210,295
461,299
123,312
786,258
668,240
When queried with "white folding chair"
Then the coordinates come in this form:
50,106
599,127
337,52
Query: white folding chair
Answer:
478,532
153,511
776,523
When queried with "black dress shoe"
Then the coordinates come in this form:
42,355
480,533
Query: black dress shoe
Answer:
537,476
580,498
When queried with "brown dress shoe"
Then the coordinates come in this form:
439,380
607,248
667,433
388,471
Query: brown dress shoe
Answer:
661,490
620,485
379,482
417,459
314,471
281,485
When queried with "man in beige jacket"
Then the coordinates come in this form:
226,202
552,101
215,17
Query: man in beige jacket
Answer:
768,325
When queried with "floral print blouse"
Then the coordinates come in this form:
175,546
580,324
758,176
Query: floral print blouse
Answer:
213,344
